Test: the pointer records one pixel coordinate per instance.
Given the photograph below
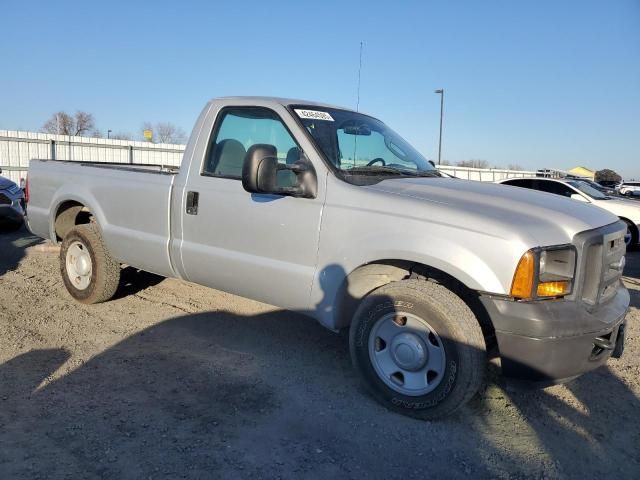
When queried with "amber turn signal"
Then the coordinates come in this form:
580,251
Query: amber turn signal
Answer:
523,279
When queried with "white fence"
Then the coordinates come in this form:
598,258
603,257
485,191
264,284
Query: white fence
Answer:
484,174
17,148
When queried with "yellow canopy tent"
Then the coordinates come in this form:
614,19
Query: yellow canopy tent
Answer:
583,172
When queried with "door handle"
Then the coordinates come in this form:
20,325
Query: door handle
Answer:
192,203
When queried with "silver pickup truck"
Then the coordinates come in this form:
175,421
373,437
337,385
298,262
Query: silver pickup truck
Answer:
328,212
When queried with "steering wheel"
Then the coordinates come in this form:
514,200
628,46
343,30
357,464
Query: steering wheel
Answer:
377,160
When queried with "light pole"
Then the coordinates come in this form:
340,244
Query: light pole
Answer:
441,92
108,134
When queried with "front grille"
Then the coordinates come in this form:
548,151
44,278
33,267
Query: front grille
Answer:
614,249
602,252
4,200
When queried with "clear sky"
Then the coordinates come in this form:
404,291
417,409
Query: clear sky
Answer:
539,83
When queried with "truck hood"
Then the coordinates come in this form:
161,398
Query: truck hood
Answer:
504,211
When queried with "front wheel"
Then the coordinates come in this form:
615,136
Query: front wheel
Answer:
418,347
89,273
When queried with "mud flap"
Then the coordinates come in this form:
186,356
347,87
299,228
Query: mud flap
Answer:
618,350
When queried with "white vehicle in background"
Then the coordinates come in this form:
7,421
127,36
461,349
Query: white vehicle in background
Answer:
629,189
627,210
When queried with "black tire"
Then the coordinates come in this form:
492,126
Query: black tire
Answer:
454,323
105,272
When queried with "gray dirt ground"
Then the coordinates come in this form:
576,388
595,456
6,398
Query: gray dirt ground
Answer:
173,380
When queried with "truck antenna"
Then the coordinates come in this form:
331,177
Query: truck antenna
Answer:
359,72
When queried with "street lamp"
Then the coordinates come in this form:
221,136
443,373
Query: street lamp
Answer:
441,92
108,134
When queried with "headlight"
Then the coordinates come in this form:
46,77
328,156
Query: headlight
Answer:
544,273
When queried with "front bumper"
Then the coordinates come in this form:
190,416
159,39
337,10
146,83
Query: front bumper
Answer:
553,341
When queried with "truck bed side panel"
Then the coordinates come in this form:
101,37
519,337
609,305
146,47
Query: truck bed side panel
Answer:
130,206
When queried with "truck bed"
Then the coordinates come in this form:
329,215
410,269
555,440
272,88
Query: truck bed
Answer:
131,203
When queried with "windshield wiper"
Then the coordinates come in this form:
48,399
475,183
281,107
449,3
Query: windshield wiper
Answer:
373,169
425,173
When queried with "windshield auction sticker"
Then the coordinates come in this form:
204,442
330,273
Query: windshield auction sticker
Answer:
314,115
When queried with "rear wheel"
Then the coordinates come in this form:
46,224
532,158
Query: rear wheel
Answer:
89,273
418,347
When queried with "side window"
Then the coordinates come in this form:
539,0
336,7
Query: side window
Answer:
525,183
556,188
237,131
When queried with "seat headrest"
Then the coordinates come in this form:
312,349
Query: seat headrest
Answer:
293,155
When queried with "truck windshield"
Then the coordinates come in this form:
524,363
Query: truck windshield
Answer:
584,187
359,145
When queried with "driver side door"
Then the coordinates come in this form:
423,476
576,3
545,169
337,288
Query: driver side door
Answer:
260,246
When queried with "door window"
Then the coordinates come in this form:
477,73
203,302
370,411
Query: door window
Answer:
556,188
237,131
524,183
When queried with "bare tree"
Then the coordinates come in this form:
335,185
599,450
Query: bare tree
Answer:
165,132
474,163
169,133
84,123
607,175
514,166
62,123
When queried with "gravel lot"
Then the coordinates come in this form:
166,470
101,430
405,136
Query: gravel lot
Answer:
173,380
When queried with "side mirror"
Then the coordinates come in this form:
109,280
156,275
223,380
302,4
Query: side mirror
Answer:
580,198
260,173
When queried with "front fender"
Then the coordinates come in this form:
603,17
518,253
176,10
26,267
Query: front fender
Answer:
488,270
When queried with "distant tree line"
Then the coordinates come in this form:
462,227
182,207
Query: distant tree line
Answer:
82,124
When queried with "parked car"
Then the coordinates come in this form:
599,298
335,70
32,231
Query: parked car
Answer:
612,192
11,202
328,212
610,184
630,189
628,211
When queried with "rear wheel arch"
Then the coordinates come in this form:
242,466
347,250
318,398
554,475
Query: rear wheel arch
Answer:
69,214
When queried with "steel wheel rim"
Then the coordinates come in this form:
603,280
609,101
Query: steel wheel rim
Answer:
79,266
407,354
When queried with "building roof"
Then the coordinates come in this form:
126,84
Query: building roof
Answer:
582,172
